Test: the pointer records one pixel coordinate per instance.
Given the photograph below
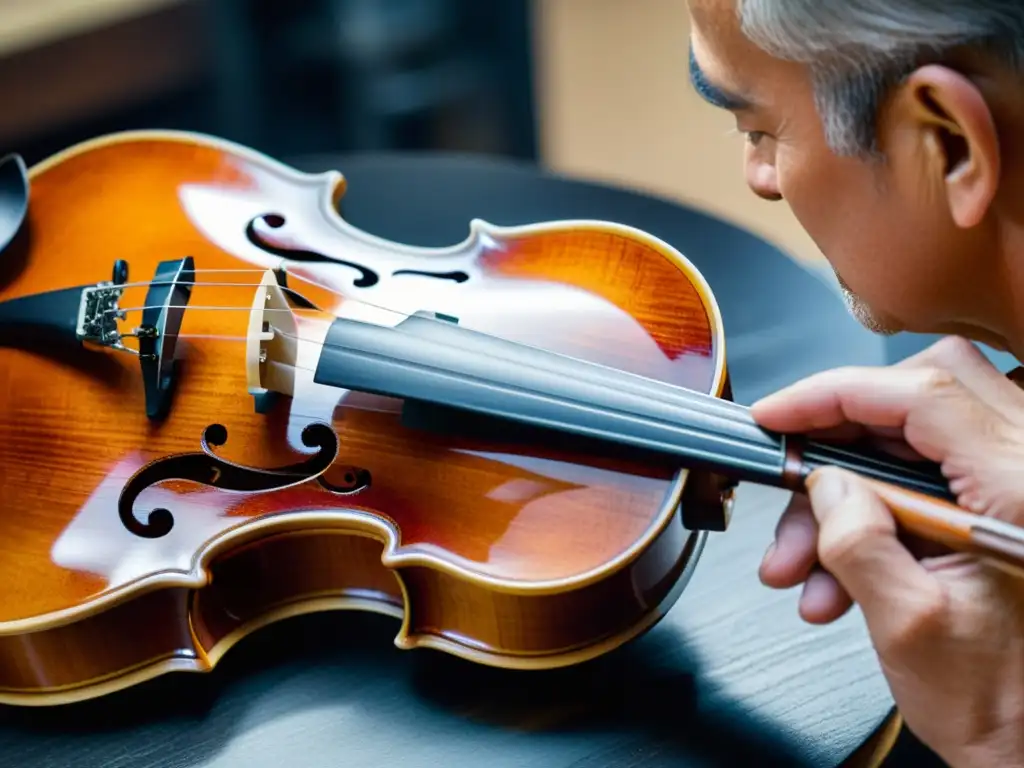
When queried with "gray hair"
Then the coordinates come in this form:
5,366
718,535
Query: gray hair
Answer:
857,50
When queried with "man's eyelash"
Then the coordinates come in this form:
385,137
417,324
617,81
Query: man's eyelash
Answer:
747,135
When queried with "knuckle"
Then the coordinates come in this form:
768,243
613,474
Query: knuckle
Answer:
836,550
938,382
840,547
955,349
951,353
924,619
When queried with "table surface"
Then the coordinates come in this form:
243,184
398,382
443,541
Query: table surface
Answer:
731,676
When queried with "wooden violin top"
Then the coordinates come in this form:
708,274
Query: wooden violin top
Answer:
481,533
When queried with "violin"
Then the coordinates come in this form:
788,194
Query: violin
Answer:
222,405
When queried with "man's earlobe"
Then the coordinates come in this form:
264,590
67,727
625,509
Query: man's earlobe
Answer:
960,140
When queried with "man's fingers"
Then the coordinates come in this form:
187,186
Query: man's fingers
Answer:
823,600
881,397
935,411
858,545
793,559
975,371
847,403
794,552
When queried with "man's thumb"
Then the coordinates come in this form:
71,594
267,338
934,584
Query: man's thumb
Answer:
857,544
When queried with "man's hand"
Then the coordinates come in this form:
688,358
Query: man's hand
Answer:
949,630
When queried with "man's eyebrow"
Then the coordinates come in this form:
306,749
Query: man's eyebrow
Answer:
711,93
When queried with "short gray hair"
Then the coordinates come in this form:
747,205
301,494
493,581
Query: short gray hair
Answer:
857,50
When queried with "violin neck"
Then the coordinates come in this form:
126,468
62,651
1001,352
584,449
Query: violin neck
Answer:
429,359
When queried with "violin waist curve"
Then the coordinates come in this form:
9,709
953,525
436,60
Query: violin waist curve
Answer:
158,506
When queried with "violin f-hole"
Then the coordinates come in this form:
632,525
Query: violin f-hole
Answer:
206,468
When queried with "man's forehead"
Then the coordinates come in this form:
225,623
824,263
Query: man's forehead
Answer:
728,58
718,15
718,36
718,47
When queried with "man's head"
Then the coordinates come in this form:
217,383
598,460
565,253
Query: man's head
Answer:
894,129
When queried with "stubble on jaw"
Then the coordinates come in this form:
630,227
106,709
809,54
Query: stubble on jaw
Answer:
863,314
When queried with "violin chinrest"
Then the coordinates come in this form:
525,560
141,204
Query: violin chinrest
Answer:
13,198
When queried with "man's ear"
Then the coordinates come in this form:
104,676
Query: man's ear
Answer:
955,131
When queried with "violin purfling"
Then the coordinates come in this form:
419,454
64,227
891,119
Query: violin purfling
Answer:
223,405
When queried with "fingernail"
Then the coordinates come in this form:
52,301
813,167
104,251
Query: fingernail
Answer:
827,488
768,554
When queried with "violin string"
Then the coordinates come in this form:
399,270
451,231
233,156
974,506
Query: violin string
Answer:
852,459
737,412
218,284
180,283
192,308
717,404
252,286
700,399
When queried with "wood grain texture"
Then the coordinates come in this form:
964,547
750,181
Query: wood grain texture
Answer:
476,543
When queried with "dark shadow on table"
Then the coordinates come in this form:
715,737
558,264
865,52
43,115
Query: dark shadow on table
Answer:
909,752
649,695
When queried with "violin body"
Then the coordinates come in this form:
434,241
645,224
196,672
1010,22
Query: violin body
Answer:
502,551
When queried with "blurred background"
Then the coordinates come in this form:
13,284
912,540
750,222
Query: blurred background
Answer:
595,89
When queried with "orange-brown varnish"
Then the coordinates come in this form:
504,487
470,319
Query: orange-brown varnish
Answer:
506,553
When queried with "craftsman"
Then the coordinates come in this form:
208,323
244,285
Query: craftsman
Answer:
894,130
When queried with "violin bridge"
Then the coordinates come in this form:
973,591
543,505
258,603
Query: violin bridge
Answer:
271,347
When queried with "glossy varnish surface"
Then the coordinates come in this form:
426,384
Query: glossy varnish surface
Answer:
497,550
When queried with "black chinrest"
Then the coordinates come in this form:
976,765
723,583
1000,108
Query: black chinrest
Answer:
13,198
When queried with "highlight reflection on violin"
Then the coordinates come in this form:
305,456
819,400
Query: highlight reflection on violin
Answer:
223,405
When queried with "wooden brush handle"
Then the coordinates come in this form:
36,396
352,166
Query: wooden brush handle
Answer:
938,521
